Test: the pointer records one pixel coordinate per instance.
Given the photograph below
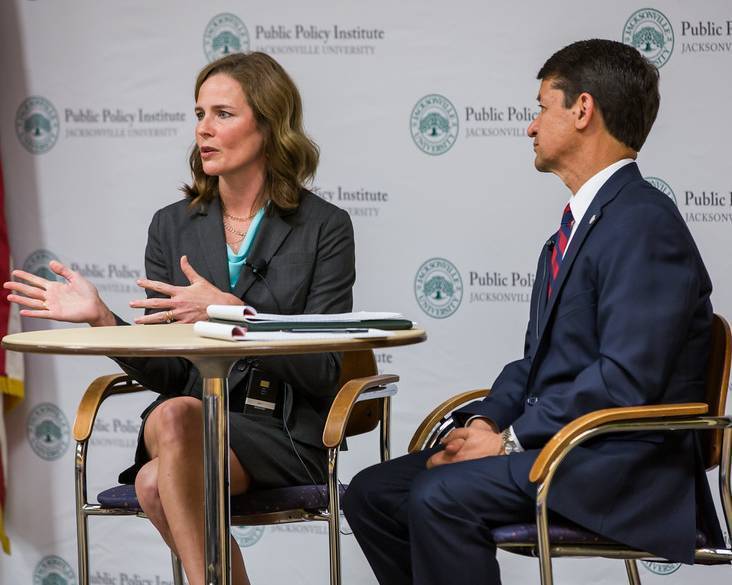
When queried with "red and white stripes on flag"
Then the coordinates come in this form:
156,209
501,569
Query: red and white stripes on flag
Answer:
11,365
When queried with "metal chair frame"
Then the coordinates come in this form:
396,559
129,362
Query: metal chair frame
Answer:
674,417
352,413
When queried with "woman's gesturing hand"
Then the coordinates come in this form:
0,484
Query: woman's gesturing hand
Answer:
76,300
184,304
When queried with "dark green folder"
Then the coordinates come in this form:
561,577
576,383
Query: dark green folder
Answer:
386,324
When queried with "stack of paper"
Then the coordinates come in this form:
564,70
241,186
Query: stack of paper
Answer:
272,322
243,323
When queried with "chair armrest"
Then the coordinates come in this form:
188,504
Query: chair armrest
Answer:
425,428
561,442
98,391
340,410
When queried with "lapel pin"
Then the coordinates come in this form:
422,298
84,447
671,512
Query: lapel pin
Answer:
593,218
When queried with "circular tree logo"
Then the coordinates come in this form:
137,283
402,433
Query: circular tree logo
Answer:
438,288
36,124
663,187
661,568
434,124
247,535
37,263
48,431
225,34
649,31
53,570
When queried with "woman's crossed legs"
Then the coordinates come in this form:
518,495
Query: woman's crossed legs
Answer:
170,486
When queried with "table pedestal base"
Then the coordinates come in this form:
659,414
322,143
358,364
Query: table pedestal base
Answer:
217,527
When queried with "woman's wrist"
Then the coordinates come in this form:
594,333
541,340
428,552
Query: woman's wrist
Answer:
105,317
230,299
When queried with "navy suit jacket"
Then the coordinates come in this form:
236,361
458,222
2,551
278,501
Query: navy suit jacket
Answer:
628,324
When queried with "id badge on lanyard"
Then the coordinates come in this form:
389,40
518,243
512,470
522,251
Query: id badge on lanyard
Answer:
264,395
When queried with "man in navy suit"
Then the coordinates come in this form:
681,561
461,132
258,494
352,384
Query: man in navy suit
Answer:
620,316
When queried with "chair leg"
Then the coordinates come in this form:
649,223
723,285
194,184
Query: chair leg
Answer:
334,530
177,569
632,568
545,571
334,543
82,519
82,545
542,529
385,429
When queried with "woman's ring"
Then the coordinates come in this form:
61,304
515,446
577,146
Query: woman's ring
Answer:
169,317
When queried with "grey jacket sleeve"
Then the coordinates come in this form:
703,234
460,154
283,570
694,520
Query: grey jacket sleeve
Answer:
171,376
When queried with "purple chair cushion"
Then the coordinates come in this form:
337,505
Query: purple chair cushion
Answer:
315,497
308,497
560,534
301,497
121,496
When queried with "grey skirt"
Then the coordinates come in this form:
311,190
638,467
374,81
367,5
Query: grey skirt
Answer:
262,446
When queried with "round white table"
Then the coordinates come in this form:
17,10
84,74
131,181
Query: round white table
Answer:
214,360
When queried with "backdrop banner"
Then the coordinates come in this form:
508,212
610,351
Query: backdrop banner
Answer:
420,109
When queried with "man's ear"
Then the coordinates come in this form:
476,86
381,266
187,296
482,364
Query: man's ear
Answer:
585,108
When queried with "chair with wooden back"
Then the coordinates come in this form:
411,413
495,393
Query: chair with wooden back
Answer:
362,404
567,540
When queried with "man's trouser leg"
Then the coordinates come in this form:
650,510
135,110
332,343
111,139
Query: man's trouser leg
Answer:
431,527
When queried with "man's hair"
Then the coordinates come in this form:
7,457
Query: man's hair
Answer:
622,82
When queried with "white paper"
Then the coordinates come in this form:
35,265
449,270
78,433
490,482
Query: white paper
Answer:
234,333
230,312
219,331
246,314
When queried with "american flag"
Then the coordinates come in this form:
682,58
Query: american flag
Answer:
11,365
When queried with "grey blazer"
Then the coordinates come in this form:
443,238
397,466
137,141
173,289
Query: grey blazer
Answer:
306,256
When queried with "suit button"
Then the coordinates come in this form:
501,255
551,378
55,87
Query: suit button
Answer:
531,400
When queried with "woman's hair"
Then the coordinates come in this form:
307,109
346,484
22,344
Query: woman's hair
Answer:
291,157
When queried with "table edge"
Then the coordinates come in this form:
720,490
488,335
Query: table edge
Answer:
237,348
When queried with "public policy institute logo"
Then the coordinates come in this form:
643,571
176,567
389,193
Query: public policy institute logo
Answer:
37,263
53,570
225,34
48,431
246,536
663,187
661,568
438,288
649,31
434,124
36,124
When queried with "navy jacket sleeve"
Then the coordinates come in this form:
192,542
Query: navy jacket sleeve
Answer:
505,402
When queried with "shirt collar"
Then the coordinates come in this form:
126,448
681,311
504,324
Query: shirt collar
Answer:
582,199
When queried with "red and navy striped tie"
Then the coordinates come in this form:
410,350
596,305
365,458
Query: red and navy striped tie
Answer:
561,239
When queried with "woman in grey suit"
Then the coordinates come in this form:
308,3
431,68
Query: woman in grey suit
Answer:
247,232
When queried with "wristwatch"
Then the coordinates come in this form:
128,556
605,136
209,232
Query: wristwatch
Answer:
509,444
